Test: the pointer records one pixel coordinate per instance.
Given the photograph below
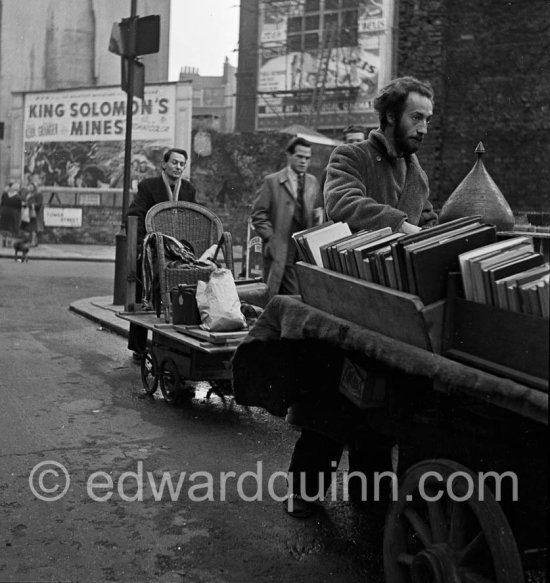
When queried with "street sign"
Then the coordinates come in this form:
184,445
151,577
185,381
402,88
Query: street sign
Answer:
135,36
138,79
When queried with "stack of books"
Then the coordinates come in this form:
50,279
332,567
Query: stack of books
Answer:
509,275
424,259
418,264
365,255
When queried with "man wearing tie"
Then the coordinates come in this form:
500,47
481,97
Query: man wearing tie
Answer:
288,201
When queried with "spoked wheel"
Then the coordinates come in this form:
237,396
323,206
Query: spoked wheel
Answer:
169,381
444,528
149,372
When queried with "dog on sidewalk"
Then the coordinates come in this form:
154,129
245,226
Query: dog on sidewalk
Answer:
21,246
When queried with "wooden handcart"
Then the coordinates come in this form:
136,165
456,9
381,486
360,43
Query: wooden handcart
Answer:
453,423
177,354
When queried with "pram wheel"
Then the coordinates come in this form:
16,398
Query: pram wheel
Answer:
149,372
170,381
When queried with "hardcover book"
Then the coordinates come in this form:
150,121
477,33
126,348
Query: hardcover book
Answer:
431,263
314,240
516,265
398,249
465,260
298,238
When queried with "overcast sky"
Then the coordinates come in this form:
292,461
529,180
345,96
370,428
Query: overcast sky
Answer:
202,34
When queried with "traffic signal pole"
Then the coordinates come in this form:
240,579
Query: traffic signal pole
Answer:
121,251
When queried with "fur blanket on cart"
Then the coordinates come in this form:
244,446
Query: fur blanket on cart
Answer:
295,351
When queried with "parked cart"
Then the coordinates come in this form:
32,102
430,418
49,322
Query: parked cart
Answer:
177,354
453,423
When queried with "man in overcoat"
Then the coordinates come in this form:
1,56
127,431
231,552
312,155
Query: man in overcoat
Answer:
287,202
370,184
169,186
379,182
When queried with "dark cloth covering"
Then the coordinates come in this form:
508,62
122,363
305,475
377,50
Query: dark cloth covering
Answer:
262,377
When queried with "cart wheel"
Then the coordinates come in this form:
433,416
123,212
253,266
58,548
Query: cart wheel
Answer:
169,381
451,537
149,372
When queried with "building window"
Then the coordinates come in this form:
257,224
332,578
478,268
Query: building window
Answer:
313,5
313,30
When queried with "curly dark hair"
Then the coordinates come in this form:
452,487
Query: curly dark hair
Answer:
297,141
392,97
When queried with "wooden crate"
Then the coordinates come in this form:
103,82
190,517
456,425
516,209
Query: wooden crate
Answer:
396,314
508,344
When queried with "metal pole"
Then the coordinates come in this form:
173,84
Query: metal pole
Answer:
121,267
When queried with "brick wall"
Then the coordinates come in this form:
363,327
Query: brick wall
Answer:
488,61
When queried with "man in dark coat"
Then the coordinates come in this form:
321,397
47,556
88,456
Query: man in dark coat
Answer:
370,184
169,186
379,182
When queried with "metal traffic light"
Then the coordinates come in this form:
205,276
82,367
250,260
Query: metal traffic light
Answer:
135,36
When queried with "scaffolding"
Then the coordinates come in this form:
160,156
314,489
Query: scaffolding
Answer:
304,96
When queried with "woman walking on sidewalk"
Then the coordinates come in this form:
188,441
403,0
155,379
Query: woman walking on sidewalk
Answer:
34,202
10,212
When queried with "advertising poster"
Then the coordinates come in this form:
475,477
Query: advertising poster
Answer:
327,53
75,138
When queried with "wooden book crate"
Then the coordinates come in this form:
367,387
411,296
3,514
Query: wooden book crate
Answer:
508,344
387,311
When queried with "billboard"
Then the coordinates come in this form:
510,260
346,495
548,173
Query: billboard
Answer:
323,59
76,138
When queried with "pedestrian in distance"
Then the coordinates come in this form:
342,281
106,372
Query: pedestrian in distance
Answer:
371,184
288,201
11,206
351,134
36,213
169,186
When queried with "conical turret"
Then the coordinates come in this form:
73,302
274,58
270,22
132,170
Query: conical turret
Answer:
478,194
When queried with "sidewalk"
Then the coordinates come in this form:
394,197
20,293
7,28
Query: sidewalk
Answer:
101,309
66,252
79,252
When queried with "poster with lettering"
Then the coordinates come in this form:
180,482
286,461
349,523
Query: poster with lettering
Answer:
330,57
76,137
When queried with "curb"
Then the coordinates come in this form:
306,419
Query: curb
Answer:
79,309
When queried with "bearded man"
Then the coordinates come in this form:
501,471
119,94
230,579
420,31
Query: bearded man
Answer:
371,184
379,182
